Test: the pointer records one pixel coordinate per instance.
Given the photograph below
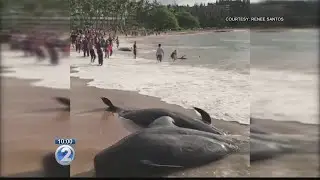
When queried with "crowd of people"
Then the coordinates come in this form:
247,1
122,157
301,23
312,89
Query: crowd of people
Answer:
98,43
40,44
94,43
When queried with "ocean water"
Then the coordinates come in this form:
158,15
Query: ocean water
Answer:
232,75
284,75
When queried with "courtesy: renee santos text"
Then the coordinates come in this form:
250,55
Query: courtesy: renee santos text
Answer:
254,19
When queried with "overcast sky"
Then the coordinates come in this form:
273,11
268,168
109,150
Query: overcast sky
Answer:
191,2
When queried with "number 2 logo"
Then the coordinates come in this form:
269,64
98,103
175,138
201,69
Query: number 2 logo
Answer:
67,156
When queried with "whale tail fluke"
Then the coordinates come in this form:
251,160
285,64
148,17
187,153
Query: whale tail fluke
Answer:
204,115
107,102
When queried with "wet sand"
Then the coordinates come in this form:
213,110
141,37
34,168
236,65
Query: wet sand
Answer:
305,164
27,132
98,130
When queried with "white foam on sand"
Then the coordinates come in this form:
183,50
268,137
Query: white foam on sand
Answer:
225,95
285,96
45,74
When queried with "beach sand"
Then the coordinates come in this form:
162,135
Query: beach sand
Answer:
295,164
97,130
27,133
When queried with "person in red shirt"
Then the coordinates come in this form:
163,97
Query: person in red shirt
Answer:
107,50
110,49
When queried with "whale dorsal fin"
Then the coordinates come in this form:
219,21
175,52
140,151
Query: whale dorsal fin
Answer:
63,100
162,121
150,163
205,117
107,102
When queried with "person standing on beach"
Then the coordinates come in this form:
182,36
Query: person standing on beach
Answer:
73,38
85,47
135,50
106,50
100,54
110,39
110,49
92,53
117,41
159,53
103,42
78,44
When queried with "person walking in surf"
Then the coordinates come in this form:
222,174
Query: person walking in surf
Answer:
174,55
159,53
135,50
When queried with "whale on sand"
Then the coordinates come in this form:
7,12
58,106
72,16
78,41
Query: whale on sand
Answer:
160,149
144,117
268,146
125,49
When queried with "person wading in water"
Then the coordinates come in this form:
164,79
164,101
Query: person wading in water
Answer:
174,55
159,53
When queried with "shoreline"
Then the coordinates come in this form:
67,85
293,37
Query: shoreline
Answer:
5,69
258,119
137,93
86,81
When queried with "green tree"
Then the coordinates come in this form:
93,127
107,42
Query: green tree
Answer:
187,21
161,18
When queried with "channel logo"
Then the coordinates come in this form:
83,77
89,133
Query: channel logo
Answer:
65,155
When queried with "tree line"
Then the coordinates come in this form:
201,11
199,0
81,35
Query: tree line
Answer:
155,16
126,14
152,15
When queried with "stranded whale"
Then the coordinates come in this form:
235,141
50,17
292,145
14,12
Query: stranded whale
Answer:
160,149
263,149
142,118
